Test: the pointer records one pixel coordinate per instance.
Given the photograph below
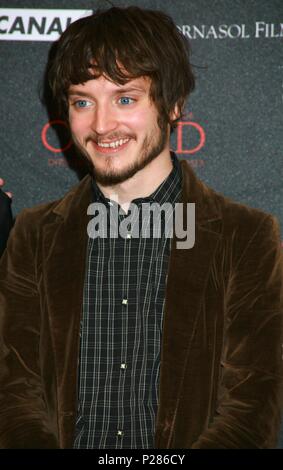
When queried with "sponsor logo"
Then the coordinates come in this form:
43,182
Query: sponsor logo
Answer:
28,24
47,144
186,128
190,139
260,29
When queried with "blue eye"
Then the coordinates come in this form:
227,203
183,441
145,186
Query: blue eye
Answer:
126,100
81,103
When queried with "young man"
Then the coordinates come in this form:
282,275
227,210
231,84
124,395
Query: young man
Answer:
6,219
132,341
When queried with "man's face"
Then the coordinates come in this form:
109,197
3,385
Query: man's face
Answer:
115,127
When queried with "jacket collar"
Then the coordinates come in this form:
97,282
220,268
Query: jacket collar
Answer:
76,200
193,191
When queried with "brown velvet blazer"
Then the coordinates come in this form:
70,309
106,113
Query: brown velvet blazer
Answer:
221,361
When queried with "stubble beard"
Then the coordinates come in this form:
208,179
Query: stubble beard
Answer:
149,151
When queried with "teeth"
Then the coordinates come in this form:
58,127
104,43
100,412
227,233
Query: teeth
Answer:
114,145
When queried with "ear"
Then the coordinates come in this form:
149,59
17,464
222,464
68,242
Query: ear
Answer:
175,113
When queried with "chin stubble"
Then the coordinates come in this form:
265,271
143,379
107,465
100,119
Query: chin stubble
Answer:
148,154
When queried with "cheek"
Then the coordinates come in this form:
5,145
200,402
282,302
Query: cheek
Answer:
143,121
78,126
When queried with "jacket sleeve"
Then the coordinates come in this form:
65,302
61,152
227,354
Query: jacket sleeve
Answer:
250,392
24,419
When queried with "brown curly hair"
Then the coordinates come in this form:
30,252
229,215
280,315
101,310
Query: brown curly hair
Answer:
123,44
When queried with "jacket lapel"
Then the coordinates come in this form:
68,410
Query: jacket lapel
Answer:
64,256
187,279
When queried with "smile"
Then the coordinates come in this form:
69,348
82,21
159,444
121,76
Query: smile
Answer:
114,145
110,147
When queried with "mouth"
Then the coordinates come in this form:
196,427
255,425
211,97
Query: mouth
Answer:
113,146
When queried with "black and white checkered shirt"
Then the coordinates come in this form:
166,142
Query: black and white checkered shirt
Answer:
121,328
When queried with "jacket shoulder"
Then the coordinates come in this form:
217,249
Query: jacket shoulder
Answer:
212,205
242,216
41,214
247,228
242,212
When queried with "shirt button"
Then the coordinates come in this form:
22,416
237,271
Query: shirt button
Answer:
120,433
129,235
123,366
124,301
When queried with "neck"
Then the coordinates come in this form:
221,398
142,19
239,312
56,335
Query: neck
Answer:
143,183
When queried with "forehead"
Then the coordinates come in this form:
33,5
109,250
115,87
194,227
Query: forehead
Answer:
104,84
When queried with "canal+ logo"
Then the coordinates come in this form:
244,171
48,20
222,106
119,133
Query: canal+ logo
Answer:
26,24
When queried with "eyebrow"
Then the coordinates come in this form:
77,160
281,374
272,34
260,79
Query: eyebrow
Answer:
73,92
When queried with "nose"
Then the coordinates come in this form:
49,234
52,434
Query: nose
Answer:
104,119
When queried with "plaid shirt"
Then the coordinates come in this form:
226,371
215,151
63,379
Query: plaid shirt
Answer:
123,303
